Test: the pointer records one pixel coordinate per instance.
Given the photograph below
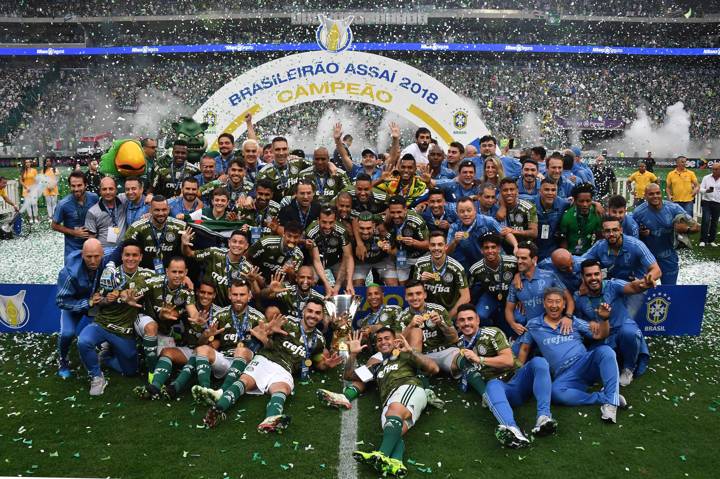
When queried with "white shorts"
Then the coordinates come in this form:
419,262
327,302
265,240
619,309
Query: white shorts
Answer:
265,373
444,359
385,267
412,397
140,323
403,274
221,365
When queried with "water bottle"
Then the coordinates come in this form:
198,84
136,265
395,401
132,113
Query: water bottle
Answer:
401,259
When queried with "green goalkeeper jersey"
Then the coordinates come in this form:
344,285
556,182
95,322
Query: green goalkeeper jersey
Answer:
292,350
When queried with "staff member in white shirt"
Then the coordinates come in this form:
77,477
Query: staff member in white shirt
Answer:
710,202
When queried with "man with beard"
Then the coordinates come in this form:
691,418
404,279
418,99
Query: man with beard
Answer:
419,149
485,356
291,297
106,219
533,282
443,277
327,184
221,266
519,215
404,182
372,252
303,208
226,146
278,253
464,186
331,252
580,224
188,201
490,280
93,177
237,184
288,347
207,181
617,207
455,154
263,214
149,146
280,170
168,180
487,204
550,209
158,236
529,183
463,237
604,179
625,335
70,213
435,168
135,206
574,369
488,147
365,198
409,236
380,315
439,214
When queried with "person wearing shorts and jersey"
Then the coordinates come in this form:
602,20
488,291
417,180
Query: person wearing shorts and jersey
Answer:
394,368
374,254
408,236
288,347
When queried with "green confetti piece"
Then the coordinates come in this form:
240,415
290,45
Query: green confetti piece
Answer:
322,466
107,458
27,442
76,455
595,443
411,462
185,454
284,467
256,456
683,458
54,454
277,444
103,414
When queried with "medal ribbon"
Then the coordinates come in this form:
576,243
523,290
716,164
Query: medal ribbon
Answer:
467,345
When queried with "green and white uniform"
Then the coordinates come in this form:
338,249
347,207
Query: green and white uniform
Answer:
237,331
329,245
119,318
168,180
449,279
221,271
191,332
521,216
375,258
435,345
327,186
160,244
292,302
159,295
260,218
489,341
495,282
376,204
269,255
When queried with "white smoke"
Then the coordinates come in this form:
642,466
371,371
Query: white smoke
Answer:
407,131
530,133
154,106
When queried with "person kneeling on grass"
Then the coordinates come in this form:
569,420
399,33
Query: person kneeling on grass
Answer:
485,355
394,368
573,367
288,347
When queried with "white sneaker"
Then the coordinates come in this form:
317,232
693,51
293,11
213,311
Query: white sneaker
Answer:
511,437
626,377
701,244
623,402
608,413
98,385
544,426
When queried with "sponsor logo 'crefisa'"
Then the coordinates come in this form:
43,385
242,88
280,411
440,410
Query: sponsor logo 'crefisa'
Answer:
334,35
14,313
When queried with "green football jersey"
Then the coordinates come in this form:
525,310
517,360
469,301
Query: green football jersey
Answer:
327,186
221,272
387,315
167,180
496,282
119,318
449,279
291,351
292,302
191,332
159,295
580,231
374,253
261,217
433,339
522,216
162,244
243,189
282,179
329,245
488,343
237,327
376,203
269,255
393,372
414,227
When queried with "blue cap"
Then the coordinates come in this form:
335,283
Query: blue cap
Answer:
576,150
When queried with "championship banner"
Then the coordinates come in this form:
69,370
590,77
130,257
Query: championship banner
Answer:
666,311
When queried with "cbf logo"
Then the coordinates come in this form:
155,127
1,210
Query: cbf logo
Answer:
210,117
460,119
334,35
658,307
14,313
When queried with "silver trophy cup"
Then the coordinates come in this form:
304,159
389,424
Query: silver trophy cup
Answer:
342,309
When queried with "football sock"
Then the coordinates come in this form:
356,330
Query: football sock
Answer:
275,405
202,364
162,372
351,393
424,379
150,344
236,369
399,450
392,433
230,396
475,380
186,373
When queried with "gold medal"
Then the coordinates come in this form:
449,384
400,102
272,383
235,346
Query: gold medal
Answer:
499,296
437,222
396,352
466,235
211,339
462,351
308,362
436,276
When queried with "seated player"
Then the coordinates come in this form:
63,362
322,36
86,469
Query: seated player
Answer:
167,300
485,357
625,336
443,277
117,299
227,346
288,347
394,367
379,315
574,369
273,253
291,297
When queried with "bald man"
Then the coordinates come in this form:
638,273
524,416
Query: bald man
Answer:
106,220
566,266
76,283
329,180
